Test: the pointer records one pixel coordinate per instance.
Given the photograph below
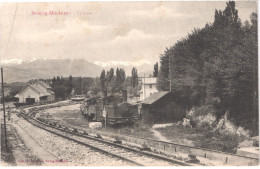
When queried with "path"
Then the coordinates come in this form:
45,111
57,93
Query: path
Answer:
33,145
158,135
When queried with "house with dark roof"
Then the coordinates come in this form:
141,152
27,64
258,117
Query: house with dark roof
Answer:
160,108
35,93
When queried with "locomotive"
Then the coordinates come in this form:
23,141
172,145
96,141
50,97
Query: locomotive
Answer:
113,109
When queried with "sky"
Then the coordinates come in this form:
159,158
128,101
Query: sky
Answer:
105,33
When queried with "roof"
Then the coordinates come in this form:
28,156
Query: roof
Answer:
38,89
44,85
42,92
154,97
25,88
149,80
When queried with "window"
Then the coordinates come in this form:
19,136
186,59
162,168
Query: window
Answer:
151,86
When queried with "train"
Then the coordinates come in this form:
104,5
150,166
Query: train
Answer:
78,98
112,110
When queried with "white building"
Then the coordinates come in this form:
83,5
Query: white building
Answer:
35,93
148,87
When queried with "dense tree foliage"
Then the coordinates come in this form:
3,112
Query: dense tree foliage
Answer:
120,78
134,77
12,90
155,69
112,83
63,87
103,80
216,65
163,75
110,76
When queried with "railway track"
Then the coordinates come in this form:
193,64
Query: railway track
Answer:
222,157
132,156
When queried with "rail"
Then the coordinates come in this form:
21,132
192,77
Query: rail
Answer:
143,153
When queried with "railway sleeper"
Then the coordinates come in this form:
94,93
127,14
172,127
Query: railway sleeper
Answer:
145,148
117,140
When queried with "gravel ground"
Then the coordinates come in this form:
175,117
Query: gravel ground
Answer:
64,113
71,117
22,155
71,153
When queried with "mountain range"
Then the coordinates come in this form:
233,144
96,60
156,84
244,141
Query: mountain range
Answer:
48,68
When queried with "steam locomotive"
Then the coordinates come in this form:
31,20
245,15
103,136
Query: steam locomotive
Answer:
114,109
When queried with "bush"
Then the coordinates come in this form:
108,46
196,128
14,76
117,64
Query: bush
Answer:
226,127
202,117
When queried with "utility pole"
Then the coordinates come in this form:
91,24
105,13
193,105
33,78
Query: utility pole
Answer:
144,87
170,78
3,100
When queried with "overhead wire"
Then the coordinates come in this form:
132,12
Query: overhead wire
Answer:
11,30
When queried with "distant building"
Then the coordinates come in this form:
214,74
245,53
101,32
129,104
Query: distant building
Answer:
35,93
148,87
159,108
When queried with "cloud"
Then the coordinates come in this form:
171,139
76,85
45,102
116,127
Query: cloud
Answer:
132,35
115,33
71,28
160,12
11,61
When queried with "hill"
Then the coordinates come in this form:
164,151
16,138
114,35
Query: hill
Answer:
47,69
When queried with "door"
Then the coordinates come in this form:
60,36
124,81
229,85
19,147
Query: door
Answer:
30,100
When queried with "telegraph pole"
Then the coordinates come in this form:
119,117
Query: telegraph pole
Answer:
3,95
170,78
144,87
3,100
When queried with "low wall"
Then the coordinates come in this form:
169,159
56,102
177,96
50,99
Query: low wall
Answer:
225,158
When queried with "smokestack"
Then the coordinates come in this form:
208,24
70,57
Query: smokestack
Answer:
124,92
105,93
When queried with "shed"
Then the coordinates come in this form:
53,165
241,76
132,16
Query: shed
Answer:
160,108
35,93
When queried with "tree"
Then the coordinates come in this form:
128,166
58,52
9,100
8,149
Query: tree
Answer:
53,81
58,78
111,76
78,86
60,91
70,84
163,78
156,69
134,77
216,66
103,80
120,77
